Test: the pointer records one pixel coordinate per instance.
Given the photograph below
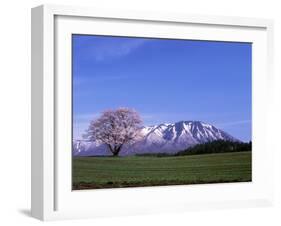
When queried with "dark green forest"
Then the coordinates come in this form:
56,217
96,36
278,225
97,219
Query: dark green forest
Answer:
218,146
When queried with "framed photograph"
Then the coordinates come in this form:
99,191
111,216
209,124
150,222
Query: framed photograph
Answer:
137,112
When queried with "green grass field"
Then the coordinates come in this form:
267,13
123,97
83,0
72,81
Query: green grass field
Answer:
135,171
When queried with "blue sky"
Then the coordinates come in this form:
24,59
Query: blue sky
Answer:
164,80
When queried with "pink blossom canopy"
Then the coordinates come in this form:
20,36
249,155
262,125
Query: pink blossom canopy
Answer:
115,128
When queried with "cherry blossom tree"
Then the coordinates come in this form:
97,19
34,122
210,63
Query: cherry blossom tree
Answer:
115,128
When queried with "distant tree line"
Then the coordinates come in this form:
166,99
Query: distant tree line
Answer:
218,146
160,154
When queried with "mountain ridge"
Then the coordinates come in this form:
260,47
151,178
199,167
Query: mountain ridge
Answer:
167,138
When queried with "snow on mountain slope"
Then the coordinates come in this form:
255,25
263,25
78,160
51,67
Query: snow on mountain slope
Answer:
167,138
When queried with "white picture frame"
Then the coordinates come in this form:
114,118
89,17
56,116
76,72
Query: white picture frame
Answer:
52,197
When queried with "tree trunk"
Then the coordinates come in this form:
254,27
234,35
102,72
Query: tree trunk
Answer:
115,154
111,149
115,150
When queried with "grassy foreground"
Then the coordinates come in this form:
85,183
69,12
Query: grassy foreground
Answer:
113,172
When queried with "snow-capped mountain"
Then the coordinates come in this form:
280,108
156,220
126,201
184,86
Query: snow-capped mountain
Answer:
163,138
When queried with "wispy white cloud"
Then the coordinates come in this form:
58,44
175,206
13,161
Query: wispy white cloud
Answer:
81,123
115,49
85,117
233,123
79,128
81,81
